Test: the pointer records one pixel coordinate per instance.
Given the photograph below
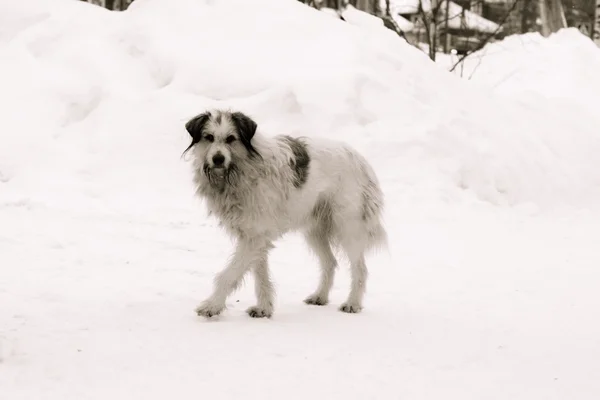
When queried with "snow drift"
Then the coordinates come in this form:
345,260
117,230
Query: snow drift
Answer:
104,253
561,68
94,98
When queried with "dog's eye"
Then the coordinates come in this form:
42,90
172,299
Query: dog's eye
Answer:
230,139
210,138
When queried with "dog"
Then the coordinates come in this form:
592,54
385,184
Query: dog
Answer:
260,188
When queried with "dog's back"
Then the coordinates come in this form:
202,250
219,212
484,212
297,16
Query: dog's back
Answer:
343,179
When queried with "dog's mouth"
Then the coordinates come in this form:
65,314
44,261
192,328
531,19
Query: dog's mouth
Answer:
219,176
215,171
219,170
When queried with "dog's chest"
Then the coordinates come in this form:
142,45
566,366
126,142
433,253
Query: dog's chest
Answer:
252,212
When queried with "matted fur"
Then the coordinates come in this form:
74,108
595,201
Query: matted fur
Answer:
264,187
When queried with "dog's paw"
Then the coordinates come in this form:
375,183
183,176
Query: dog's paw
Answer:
208,309
350,308
259,312
316,300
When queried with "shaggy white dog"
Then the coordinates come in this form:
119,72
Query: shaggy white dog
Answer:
260,188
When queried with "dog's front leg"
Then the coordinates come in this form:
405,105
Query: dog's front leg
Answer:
248,254
264,290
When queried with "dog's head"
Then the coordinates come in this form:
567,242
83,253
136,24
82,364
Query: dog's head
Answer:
220,140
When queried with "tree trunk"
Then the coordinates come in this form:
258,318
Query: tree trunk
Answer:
558,15
595,31
544,18
433,29
524,18
446,34
552,15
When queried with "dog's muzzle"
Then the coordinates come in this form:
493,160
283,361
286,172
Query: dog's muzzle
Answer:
220,175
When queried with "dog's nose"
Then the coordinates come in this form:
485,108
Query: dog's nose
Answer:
218,159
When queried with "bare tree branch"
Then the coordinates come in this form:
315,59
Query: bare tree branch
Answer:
484,42
426,24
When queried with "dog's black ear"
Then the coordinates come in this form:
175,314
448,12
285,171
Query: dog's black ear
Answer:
246,129
195,126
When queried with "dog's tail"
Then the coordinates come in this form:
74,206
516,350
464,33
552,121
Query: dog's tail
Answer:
377,238
372,207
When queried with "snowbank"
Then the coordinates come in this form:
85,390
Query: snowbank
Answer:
104,253
95,104
561,68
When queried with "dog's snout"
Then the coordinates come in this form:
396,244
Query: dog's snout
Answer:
218,159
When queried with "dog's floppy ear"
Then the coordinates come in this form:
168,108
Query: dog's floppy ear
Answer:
195,126
246,129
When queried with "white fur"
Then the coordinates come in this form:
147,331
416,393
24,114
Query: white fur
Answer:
338,205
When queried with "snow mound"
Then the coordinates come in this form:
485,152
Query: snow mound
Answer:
95,103
562,67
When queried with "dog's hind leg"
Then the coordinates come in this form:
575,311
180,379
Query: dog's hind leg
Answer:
247,255
318,241
264,290
359,280
354,243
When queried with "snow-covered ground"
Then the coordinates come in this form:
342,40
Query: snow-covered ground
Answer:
562,69
489,289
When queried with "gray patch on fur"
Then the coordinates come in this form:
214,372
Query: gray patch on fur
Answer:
301,161
371,200
322,214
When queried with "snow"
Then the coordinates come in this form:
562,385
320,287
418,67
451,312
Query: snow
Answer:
488,290
561,68
365,20
404,24
360,18
330,11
